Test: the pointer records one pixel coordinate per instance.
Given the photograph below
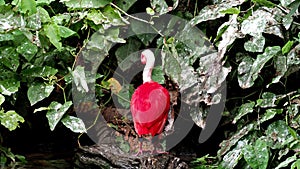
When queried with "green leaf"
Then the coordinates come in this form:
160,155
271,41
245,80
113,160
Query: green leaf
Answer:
160,6
280,64
52,32
11,119
266,3
127,55
255,44
278,135
2,99
268,100
114,17
27,6
231,11
244,71
9,58
257,156
75,124
231,159
125,95
227,144
86,3
2,2
9,86
270,113
210,12
44,2
43,15
296,164
97,17
80,79
37,71
287,47
38,92
150,11
56,112
248,72
28,50
158,75
243,110
6,37
125,4
65,32
138,27
286,162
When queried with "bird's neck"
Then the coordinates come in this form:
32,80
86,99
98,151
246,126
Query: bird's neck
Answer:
147,73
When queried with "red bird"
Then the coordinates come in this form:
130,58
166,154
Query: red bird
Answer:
150,103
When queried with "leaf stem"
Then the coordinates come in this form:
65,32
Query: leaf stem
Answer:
130,16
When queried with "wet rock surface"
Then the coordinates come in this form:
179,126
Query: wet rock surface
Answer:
111,156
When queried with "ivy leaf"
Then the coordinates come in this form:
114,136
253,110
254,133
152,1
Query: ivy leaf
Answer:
158,75
266,3
280,64
10,119
244,71
97,17
257,156
125,4
212,12
38,91
293,60
287,161
65,32
227,144
56,112
2,99
160,6
270,113
9,58
231,11
127,55
74,124
28,50
44,2
243,110
255,44
52,32
249,74
296,164
86,3
124,95
231,159
80,79
38,71
26,6
268,100
9,86
114,85
278,135
287,47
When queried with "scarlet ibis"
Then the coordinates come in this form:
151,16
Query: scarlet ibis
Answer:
150,103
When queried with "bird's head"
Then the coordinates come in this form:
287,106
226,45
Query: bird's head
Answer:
146,54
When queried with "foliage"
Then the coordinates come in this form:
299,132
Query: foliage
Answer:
257,52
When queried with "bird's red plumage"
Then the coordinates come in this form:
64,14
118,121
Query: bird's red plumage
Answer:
150,105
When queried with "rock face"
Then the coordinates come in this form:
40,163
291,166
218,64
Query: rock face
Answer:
111,156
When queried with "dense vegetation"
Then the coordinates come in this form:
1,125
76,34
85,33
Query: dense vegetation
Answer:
251,45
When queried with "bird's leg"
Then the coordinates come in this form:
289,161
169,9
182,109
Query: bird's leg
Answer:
140,151
155,142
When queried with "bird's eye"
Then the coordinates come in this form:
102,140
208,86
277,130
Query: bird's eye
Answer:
143,59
